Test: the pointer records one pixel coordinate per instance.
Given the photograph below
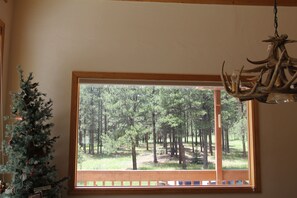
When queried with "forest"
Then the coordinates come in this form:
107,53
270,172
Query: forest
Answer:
159,122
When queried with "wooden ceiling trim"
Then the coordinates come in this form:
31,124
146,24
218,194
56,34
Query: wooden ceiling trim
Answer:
228,2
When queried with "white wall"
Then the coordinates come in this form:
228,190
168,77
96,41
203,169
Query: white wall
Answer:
52,38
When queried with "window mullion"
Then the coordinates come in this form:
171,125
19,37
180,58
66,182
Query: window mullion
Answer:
218,135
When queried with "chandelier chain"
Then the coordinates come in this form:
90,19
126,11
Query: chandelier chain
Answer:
275,19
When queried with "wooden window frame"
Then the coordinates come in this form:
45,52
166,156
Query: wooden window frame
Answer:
226,2
2,32
254,166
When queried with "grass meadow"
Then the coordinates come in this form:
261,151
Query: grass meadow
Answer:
123,160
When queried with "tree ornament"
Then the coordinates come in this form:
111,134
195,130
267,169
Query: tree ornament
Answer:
23,177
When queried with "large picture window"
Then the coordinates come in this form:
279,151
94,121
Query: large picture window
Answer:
159,133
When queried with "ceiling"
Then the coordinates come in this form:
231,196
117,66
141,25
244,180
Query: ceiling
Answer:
227,2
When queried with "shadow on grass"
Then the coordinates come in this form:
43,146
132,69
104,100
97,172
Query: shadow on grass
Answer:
234,154
173,164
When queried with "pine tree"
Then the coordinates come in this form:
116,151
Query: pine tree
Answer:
30,146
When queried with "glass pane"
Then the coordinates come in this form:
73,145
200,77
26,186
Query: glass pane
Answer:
234,133
145,135
153,124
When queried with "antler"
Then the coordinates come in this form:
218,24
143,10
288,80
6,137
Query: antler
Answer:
275,74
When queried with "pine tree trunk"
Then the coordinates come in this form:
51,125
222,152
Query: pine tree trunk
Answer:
201,140
175,143
134,161
154,136
98,142
227,141
210,143
165,142
244,154
196,137
146,139
180,150
92,130
105,121
100,128
205,150
171,144
192,136
91,143
183,156
85,144
80,135
186,127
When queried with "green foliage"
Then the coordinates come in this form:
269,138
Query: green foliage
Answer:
80,157
114,118
110,144
232,110
30,147
239,127
122,161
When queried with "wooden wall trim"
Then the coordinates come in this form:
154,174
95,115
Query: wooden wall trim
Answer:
227,2
2,32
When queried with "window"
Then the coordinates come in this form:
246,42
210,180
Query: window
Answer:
159,133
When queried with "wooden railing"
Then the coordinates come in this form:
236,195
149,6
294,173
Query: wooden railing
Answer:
159,178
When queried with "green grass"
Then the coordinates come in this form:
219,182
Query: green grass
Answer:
123,161
106,163
234,159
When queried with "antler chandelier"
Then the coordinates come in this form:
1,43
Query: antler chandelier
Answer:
272,80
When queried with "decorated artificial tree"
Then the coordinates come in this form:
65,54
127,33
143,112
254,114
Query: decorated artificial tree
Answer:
29,145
